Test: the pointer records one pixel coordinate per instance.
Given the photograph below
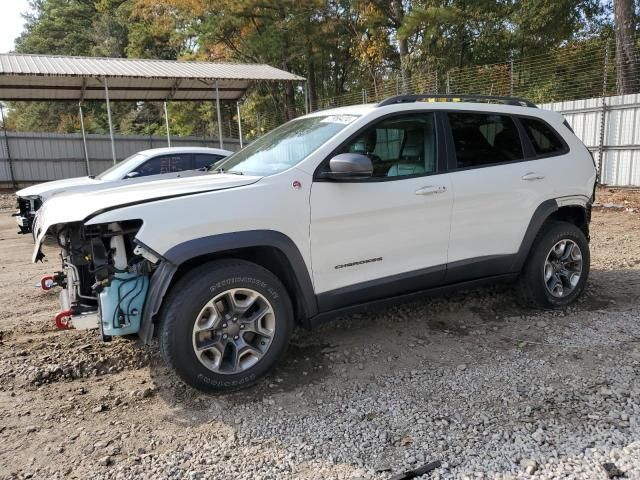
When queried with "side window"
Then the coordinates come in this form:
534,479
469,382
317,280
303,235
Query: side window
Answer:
399,146
203,160
165,164
544,139
484,139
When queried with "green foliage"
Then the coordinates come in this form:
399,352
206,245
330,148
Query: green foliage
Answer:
341,46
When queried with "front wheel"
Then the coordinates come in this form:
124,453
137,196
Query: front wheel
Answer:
556,272
225,324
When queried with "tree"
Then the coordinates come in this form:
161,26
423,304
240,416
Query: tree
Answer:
627,60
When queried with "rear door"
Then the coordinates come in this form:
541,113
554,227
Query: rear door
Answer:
497,186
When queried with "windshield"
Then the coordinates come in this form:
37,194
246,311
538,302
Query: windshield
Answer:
120,169
285,146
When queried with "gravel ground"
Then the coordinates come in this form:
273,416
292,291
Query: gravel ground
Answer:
489,389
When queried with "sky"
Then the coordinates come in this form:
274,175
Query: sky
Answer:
11,22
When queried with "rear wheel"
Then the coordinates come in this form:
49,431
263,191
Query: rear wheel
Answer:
556,272
225,324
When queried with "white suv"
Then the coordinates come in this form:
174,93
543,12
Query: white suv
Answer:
331,212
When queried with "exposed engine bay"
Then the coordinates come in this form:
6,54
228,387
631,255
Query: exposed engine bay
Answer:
104,278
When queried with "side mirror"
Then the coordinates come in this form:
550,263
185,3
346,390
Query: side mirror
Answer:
132,175
349,166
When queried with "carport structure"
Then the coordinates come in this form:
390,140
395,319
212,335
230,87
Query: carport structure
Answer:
25,77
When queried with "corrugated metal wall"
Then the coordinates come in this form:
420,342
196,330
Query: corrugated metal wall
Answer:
616,144
39,157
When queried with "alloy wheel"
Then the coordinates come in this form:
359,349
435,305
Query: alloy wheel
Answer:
234,330
563,268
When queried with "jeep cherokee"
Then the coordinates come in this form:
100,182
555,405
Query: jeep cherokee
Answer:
330,212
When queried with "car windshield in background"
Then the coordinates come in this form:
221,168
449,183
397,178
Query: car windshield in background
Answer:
120,169
285,146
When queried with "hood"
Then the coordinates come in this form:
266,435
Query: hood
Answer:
45,190
73,207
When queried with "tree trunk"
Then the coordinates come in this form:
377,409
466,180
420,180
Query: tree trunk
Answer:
627,61
403,45
289,93
311,80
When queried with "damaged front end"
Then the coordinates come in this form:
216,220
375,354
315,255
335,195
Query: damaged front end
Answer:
104,278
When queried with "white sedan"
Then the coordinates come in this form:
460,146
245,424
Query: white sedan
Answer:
152,164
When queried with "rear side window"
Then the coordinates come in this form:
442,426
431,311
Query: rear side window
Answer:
484,139
544,139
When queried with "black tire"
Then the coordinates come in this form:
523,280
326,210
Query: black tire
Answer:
186,300
531,288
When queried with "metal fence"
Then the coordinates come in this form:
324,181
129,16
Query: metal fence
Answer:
610,128
582,69
38,157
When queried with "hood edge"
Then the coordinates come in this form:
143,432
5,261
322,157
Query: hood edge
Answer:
155,199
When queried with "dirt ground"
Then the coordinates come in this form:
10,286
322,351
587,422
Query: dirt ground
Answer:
73,406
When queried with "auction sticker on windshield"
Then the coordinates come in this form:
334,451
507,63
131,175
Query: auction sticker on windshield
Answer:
343,119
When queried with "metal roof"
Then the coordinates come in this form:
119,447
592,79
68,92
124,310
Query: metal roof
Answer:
50,77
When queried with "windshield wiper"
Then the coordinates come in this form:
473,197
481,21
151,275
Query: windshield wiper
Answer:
234,172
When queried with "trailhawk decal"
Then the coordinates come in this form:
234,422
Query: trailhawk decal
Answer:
360,262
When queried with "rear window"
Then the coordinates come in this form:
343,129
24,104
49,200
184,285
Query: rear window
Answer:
544,139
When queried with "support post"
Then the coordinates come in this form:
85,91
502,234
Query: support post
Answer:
511,78
14,184
448,84
84,139
219,116
603,114
306,97
113,142
239,124
166,123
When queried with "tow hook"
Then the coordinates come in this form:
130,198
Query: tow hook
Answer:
63,320
47,282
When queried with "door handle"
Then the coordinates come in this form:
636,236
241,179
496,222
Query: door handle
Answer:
531,176
431,190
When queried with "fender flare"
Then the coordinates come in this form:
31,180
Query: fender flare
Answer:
539,217
183,252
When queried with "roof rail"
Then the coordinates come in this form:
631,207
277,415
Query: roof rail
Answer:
435,97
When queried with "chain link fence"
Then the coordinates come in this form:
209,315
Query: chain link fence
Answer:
578,70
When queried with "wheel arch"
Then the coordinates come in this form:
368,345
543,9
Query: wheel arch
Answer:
575,210
268,248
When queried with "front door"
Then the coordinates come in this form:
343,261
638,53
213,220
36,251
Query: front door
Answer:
388,234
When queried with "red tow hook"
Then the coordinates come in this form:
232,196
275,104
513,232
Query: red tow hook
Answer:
47,282
62,320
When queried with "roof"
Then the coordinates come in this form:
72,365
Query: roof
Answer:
377,110
163,150
51,77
